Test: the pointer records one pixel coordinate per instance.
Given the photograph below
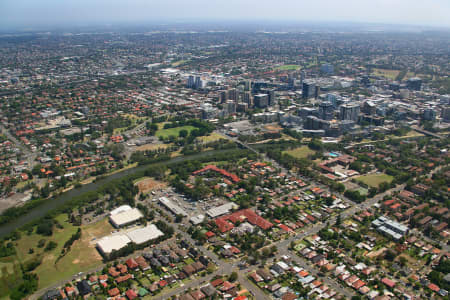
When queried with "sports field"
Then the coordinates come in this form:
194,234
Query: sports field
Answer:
374,180
165,133
301,152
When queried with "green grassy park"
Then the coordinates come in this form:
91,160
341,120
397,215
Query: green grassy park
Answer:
374,180
165,133
301,152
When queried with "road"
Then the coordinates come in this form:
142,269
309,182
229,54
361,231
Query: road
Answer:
421,130
283,169
313,270
30,156
225,268
283,246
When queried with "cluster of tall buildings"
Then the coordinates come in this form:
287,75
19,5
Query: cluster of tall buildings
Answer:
194,82
248,97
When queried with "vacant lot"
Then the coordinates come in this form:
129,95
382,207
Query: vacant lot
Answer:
152,147
273,127
211,138
146,185
173,131
301,152
374,180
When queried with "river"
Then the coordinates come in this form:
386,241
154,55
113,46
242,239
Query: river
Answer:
53,203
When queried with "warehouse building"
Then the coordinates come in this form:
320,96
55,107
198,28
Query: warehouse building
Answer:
124,215
145,234
221,210
113,242
175,209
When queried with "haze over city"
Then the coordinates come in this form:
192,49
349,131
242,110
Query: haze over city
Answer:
23,13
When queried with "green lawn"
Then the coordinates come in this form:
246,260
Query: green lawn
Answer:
11,275
82,256
301,152
288,68
173,131
374,180
363,191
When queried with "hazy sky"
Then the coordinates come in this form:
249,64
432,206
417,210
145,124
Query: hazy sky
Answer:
51,12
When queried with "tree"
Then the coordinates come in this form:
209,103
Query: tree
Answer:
45,228
389,255
183,133
338,220
50,246
233,277
273,249
178,218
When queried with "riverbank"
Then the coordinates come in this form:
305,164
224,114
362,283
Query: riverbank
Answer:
47,206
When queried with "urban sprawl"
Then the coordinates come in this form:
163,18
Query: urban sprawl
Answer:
187,163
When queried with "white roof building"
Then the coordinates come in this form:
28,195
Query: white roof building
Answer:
175,209
197,219
221,210
145,234
113,242
120,209
125,217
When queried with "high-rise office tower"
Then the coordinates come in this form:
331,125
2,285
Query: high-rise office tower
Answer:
231,106
248,85
232,94
191,81
247,98
222,96
414,84
326,110
198,82
308,90
350,111
261,100
272,97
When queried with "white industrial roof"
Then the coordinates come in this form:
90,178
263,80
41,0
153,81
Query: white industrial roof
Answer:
142,235
112,242
172,206
221,210
197,219
120,209
126,217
